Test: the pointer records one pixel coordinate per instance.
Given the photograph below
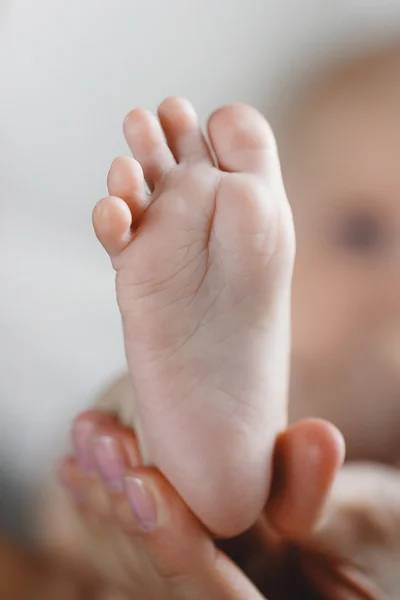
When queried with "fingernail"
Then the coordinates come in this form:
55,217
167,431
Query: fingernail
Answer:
141,502
110,461
81,438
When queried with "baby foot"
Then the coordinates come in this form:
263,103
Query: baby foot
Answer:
204,269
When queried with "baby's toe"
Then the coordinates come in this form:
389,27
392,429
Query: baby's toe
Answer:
243,141
146,140
125,180
112,222
182,130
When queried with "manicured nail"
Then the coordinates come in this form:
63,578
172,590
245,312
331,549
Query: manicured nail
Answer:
142,503
110,461
81,438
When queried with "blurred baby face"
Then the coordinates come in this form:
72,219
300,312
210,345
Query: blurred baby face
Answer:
343,181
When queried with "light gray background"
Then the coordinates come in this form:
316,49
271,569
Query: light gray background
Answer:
70,71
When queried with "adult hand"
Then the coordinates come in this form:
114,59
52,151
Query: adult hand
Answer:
149,544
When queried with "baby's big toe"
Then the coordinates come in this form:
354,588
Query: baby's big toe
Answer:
243,141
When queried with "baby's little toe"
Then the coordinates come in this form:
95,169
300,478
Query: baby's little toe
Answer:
112,221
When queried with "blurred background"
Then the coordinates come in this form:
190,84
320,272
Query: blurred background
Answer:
70,71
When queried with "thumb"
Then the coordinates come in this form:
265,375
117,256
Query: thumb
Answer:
307,458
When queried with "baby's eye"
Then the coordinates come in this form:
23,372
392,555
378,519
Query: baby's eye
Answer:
360,233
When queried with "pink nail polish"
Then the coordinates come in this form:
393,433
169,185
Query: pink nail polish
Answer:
142,503
81,438
110,461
